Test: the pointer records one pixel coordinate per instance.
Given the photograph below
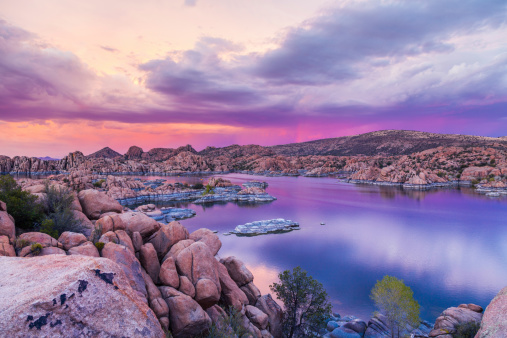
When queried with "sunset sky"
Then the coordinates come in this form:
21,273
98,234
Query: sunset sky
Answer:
82,75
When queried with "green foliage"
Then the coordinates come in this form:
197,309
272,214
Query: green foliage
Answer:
474,182
198,186
21,243
440,174
99,245
395,301
229,326
57,206
21,205
36,249
48,227
168,334
208,190
98,184
467,330
306,303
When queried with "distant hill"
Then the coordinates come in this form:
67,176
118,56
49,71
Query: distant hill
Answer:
387,142
104,153
47,158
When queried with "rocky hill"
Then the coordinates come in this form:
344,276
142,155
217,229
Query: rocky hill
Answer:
104,153
387,142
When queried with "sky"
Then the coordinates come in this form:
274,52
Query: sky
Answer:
83,75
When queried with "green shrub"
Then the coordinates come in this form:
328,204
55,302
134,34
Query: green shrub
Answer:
36,249
98,184
228,327
99,246
21,205
21,243
48,227
467,330
474,182
208,190
57,206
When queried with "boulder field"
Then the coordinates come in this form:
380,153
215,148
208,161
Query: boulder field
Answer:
142,279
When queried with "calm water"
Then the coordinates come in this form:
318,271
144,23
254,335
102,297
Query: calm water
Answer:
449,246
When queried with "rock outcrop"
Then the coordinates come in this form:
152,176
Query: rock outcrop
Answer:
70,296
494,320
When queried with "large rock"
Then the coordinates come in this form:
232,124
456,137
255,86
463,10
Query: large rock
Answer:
118,237
448,321
209,238
128,263
64,296
7,227
139,222
86,225
109,223
187,318
6,249
231,293
168,274
149,261
167,236
237,270
251,292
157,303
51,250
95,203
177,248
71,239
38,237
343,332
494,320
275,314
186,287
85,249
198,264
377,327
257,317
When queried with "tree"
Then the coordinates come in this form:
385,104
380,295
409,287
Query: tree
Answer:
21,205
395,301
306,303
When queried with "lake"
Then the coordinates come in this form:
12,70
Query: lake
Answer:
448,245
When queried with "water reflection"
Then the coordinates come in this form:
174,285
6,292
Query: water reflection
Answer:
445,244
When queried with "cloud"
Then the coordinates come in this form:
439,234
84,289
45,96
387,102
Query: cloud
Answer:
190,3
382,64
109,49
342,42
37,74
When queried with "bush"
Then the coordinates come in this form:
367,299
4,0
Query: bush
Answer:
198,186
467,330
208,190
57,207
99,246
228,327
98,184
36,249
48,227
21,205
21,243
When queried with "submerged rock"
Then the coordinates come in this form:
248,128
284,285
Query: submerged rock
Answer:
278,225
